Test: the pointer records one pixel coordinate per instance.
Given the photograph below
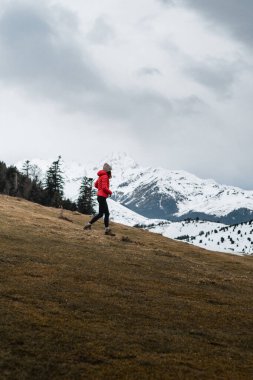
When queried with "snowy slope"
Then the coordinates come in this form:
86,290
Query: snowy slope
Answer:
123,215
177,230
234,239
237,239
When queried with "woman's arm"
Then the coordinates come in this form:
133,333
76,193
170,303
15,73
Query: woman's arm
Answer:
105,185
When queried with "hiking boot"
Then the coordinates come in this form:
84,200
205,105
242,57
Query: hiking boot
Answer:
87,226
109,232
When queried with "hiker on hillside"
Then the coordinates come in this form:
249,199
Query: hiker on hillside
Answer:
102,184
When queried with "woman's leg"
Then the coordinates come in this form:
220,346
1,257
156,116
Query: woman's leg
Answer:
103,210
107,213
100,210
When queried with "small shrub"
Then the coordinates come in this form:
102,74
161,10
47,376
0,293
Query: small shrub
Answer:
126,239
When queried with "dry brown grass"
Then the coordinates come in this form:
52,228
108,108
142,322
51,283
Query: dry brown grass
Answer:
81,305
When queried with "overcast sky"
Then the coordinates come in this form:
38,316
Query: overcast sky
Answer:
167,81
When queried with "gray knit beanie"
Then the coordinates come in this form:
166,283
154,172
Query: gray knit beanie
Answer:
107,167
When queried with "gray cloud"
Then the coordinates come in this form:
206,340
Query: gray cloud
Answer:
148,71
189,106
216,74
38,54
168,2
235,15
101,32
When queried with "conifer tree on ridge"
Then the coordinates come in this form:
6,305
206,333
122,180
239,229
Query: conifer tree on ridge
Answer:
86,202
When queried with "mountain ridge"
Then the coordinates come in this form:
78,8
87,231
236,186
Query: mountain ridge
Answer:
160,193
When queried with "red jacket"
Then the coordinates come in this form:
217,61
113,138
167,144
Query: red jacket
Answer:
102,184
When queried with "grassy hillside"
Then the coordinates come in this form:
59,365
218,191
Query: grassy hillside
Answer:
81,305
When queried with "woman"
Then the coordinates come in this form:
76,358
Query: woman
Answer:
102,184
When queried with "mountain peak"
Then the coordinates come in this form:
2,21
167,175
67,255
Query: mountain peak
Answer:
120,161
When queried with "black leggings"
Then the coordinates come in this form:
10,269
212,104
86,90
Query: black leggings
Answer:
103,210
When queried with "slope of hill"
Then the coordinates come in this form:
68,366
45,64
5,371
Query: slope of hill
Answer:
78,304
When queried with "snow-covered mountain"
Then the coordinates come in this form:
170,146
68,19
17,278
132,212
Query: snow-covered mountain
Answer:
160,193
177,195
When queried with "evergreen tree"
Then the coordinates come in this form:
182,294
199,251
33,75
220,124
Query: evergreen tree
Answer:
25,183
86,199
24,186
67,204
54,184
3,170
11,181
37,193
26,168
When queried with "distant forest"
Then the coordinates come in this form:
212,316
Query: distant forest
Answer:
29,184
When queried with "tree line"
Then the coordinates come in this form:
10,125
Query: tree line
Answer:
29,184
